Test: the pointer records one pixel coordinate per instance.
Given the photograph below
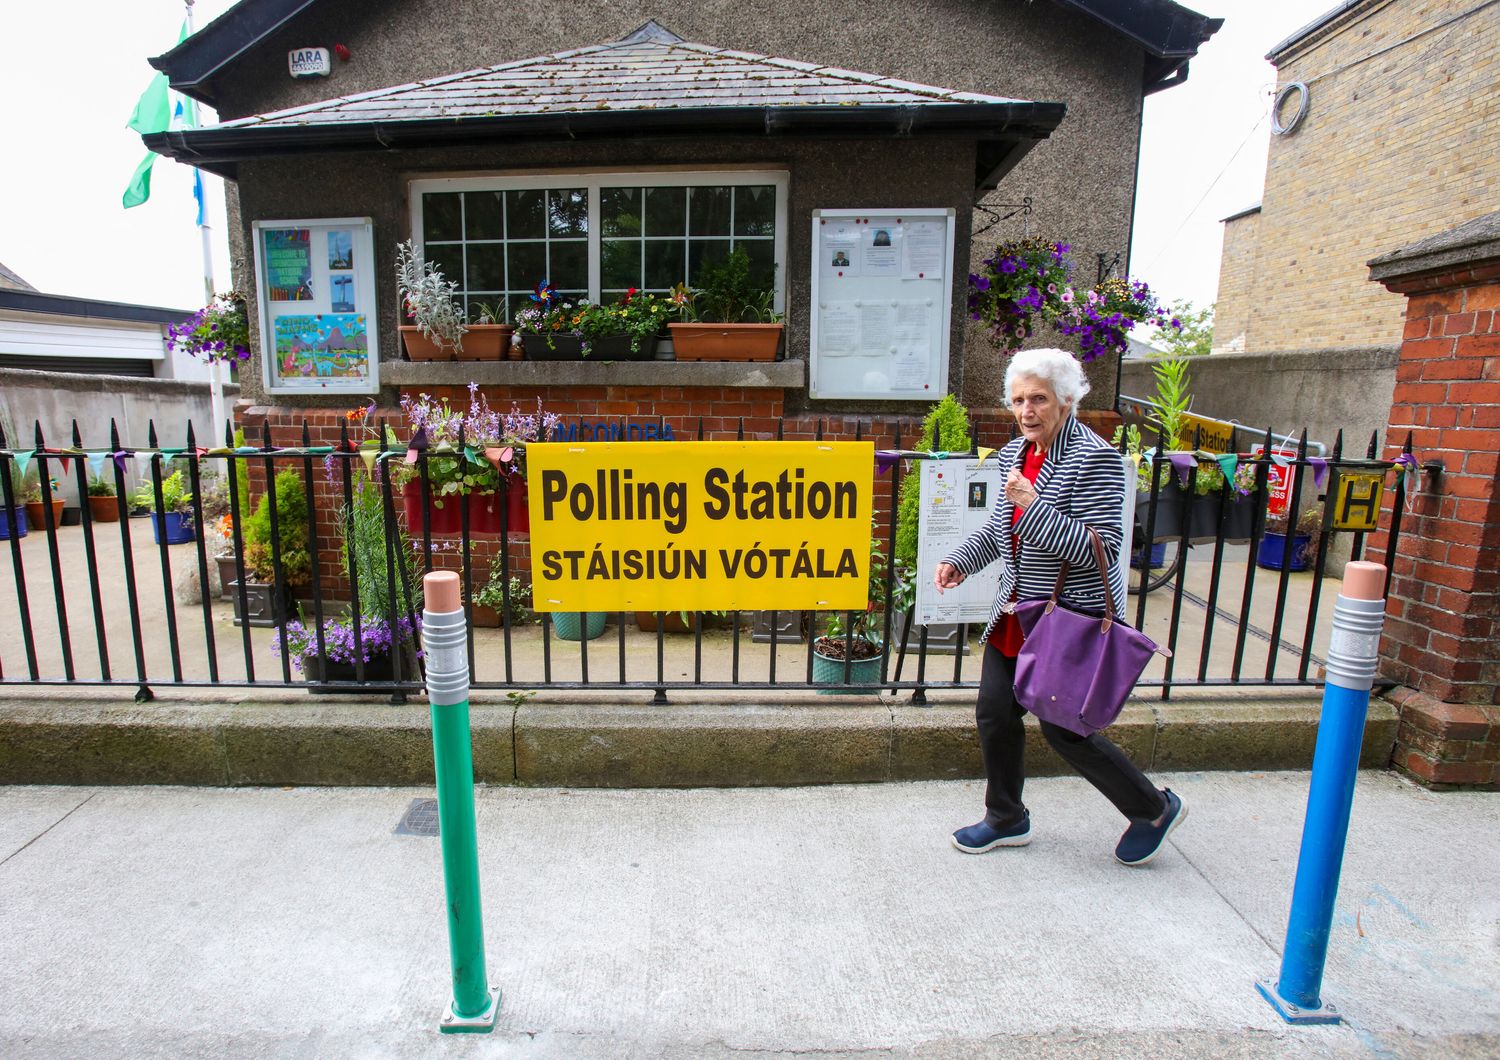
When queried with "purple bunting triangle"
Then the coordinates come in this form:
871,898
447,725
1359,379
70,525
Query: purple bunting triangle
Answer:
1183,463
885,459
416,445
1319,469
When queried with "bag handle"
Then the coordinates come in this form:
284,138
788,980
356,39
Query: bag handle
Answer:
1096,544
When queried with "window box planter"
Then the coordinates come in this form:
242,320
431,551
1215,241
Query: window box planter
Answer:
1170,499
484,511
420,348
9,529
104,510
445,515
227,575
569,347
485,342
175,527
567,627
1272,554
320,670
36,514
1203,519
828,664
726,342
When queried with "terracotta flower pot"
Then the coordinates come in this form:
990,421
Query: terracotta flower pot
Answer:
104,510
445,519
420,348
484,512
36,514
486,342
726,342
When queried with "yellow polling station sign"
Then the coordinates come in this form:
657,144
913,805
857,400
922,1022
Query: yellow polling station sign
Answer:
700,526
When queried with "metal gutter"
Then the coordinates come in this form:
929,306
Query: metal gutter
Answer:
68,305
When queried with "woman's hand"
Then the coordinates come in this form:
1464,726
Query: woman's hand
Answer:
947,576
1019,490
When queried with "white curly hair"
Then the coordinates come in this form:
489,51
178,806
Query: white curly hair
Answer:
1059,369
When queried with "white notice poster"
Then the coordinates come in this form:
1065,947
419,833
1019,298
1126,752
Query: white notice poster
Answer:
882,251
909,368
957,496
838,328
877,323
924,246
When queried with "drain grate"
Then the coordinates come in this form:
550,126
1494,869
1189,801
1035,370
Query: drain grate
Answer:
420,818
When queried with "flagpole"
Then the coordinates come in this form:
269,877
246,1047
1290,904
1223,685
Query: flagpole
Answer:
216,369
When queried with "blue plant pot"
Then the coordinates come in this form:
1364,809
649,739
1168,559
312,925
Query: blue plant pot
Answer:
176,526
1158,556
1273,551
5,523
828,670
566,624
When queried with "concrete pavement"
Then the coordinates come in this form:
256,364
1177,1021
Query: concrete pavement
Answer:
748,922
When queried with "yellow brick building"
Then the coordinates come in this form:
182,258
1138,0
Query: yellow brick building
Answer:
1400,138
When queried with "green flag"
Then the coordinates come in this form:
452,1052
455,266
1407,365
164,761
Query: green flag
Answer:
153,114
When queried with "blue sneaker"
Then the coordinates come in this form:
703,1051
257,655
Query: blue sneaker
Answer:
978,838
1143,841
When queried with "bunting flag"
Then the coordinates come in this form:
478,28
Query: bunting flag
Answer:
417,444
23,459
1183,463
498,455
885,459
119,456
368,456
1279,460
143,458
985,452
1319,470
1229,463
168,455
96,463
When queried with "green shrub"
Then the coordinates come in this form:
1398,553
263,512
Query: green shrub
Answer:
291,530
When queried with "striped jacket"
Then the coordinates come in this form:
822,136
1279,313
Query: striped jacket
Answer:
1081,482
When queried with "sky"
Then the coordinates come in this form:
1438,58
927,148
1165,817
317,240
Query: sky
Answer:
69,79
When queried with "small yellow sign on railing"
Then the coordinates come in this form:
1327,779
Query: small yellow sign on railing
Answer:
1357,501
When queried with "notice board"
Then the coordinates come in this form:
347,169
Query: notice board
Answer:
882,299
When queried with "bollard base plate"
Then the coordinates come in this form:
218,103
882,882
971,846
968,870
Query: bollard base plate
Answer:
1324,1013
483,1023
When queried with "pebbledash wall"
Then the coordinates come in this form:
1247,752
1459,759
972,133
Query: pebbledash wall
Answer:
1398,141
1442,634
1081,180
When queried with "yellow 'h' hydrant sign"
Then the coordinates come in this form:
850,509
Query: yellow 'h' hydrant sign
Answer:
700,526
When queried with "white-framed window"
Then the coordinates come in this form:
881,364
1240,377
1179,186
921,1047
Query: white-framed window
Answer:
595,234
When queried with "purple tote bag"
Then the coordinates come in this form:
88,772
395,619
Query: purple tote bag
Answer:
1075,670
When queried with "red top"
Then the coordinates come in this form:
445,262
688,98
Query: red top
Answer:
1007,636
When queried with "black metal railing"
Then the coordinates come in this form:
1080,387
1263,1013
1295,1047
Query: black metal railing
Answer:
129,590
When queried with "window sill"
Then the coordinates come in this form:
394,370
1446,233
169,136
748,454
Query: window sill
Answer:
784,375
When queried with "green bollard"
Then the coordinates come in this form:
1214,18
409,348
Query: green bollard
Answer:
475,1004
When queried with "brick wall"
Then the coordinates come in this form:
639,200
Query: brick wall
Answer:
1391,149
1442,633
1237,287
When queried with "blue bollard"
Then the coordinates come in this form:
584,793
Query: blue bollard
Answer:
1358,616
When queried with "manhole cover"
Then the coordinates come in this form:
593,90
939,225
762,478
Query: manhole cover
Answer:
420,818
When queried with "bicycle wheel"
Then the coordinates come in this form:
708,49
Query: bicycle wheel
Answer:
1150,571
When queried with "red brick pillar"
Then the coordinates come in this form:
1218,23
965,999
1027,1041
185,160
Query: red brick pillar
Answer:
1442,640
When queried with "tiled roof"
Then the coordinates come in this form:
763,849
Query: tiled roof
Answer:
10,280
652,69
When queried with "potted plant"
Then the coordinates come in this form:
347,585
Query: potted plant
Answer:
556,328
1276,551
496,599
456,475
264,604
36,510
729,318
365,563
440,329
1215,497
217,333
517,429
174,523
571,626
859,642
945,428
104,506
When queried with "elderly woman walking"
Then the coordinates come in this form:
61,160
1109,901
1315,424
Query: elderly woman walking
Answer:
1061,478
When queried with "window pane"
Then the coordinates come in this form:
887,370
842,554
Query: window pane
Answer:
449,260
620,211
703,252
518,302
569,212
486,267
621,263
483,218
762,254
664,264
755,211
708,211
527,266
525,214
441,217
570,264
479,303
666,211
